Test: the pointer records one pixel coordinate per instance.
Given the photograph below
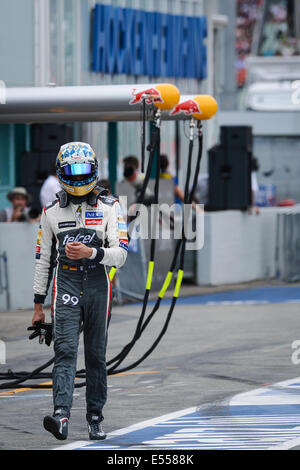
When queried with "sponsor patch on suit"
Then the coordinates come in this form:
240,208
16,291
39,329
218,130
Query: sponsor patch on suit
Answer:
93,218
122,226
72,223
124,246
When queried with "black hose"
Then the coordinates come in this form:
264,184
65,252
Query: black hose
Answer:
188,199
155,147
28,376
143,136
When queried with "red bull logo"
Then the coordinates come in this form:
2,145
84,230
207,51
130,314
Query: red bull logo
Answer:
151,95
188,107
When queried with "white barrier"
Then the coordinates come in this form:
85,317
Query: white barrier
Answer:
238,247
18,240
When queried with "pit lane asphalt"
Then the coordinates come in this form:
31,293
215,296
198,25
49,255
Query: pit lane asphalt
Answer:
209,354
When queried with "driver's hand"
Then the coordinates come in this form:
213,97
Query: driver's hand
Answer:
77,250
38,314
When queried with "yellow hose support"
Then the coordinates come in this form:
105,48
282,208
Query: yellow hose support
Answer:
150,275
165,284
178,283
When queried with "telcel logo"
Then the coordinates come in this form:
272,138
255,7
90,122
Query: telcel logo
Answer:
79,238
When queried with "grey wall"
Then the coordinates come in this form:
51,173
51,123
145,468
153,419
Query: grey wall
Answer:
238,247
18,241
17,42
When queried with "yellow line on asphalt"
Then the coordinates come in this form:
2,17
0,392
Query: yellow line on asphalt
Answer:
25,389
19,390
136,373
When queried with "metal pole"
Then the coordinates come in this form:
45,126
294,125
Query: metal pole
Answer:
112,153
177,148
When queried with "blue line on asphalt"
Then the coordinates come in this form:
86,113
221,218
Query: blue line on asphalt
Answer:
261,295
264,418
244,427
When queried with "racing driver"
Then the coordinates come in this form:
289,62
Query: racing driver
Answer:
81,233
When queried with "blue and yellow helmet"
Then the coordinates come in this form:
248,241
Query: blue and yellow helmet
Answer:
77,168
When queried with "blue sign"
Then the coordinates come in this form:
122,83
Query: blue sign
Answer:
136,42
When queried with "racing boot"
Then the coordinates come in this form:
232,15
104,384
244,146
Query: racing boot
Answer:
57,424
95,428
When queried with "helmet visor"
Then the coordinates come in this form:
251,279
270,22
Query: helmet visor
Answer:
78,169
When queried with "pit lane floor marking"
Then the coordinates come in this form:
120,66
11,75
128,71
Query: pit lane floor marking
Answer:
26,389
255,296
265,418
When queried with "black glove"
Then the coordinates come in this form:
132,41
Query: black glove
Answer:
43,330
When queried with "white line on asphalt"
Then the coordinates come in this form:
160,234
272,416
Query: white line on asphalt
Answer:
286,393
133,427
287,445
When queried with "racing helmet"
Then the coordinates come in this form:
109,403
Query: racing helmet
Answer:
77,168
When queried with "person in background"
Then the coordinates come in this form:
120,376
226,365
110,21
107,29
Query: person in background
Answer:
49,189
34,215
134,177
165,174
18,211
131,166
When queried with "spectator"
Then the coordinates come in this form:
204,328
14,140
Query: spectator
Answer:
240,65
135,178
34,215
165,174
247,12
49,189
19,211
131,165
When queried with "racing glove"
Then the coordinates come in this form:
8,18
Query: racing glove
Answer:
43,330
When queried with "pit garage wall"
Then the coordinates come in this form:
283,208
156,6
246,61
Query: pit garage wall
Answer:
17,241
238,247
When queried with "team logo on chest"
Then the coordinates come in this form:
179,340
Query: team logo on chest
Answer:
93,217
